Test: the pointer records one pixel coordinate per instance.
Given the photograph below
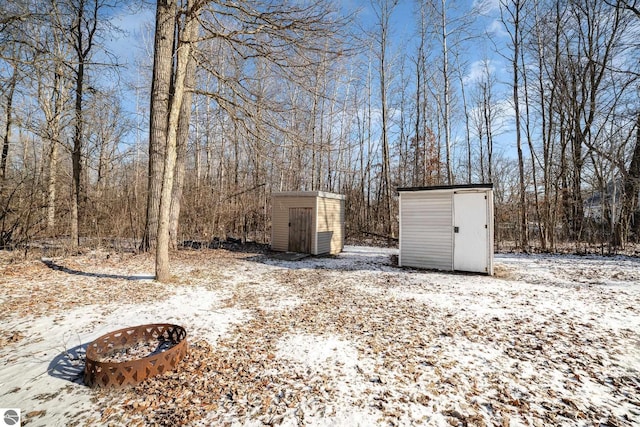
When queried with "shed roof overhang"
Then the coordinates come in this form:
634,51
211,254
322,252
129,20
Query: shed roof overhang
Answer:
321,194
488,186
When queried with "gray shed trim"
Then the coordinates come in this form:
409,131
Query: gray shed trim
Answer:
321,194
448,187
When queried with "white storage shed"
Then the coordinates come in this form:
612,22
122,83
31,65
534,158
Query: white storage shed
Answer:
447,227
310,222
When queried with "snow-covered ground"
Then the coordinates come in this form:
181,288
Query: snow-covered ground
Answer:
330,341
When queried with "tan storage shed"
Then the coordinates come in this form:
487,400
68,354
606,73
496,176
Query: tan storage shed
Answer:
309,222
447,227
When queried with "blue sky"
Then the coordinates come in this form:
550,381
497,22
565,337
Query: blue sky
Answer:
477,53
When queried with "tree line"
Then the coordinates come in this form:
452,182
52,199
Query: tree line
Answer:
236,100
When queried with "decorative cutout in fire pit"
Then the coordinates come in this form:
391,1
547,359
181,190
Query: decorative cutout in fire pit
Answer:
128,356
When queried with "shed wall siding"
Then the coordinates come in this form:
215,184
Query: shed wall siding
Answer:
330,226
426,232
280,220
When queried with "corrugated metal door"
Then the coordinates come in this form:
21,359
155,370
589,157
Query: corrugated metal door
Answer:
426,238
300,230
470,232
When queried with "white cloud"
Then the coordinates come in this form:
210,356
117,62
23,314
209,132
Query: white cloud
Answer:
478,71
496,28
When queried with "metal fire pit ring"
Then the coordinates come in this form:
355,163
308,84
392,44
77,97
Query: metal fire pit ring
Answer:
129,372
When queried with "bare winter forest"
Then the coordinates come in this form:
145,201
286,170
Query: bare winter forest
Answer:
232,101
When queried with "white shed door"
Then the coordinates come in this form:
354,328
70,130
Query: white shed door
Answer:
470,232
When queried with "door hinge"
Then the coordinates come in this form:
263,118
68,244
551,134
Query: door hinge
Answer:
456,229
486,226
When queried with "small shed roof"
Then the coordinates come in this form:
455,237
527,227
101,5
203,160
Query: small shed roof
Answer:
323,194
447,187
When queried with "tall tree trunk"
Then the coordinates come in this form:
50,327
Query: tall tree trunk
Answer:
487,110
514,32
161,88
83,31
547,99
467,119
54,124
447,89
8,123
386,8
418,122
183,53
367,175
51,186
76,157
551,190
182,141
532,152
524,231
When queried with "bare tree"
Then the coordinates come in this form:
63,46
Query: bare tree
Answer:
12,53
161,90
8,120
82,32
384,10
444,33
54,81
279,103
183,53
488,115
25,40
631,176
512,19
630,190
183,135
